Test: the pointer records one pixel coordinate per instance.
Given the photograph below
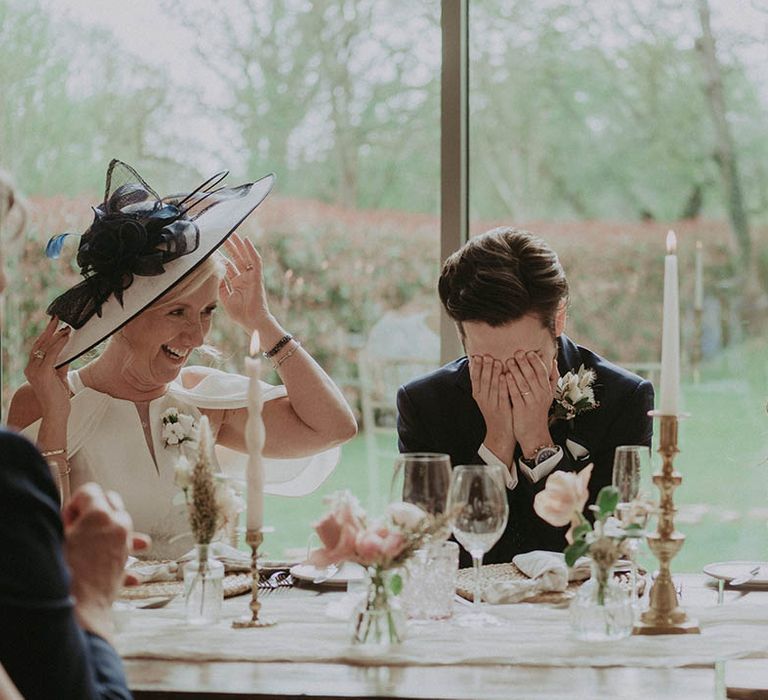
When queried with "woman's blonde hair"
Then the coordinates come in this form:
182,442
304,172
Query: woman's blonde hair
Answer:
212,266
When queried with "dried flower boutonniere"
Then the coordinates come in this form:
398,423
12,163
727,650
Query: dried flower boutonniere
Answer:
178,428
574,394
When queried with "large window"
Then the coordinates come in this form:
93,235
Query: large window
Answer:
600,126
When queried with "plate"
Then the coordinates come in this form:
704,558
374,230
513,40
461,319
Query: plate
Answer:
729,570
316,575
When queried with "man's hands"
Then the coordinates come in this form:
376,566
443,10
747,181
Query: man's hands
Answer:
531,389
98,537
491,394
514,398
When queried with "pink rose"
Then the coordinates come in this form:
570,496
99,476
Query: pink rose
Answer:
378,547
564,496
338,532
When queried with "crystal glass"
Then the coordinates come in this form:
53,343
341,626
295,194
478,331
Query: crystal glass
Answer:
430,583
630,464
203,587
478,505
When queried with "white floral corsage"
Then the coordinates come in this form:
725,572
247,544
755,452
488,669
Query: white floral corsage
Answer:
178,428
574,394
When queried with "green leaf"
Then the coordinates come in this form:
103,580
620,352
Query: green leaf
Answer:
396,584
574,551
607,500
581,531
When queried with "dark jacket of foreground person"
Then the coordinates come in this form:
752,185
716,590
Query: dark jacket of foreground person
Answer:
42,647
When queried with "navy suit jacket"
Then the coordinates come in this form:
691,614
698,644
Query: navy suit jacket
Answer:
42,647
436,413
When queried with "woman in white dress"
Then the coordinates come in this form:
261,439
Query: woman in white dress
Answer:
104,422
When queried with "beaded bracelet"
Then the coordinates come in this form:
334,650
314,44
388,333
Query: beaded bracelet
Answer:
287,355
279,345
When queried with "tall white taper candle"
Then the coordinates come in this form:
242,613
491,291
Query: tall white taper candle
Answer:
670,339
254,439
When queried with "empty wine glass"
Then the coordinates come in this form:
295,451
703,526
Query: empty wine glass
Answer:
423,478
628,470
478,505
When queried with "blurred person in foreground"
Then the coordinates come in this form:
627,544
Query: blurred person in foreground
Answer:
525,395
59,574
153,279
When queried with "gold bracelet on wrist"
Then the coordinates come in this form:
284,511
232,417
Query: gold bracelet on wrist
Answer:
286,355
55,453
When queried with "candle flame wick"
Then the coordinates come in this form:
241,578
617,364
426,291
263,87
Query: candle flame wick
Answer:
671,243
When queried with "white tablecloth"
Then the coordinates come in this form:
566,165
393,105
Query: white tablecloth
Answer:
530,635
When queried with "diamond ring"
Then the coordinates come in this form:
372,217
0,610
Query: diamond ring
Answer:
525,393
248,267
39,354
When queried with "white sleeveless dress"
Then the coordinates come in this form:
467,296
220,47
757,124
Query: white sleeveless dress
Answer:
106,443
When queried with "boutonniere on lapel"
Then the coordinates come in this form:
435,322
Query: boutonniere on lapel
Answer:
574,394
178,428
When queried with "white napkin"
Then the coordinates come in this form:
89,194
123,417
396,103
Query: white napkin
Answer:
152,573
547,572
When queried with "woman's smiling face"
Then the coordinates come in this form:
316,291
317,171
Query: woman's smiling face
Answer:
160,339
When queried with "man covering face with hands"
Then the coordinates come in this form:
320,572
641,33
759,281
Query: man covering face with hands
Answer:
525,395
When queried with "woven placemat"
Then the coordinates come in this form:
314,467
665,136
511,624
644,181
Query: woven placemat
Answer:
509,572
234,584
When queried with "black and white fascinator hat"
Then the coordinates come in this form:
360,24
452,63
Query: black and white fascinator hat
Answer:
140,246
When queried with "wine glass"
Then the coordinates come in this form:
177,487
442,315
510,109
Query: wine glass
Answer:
422,478
478,505
628,469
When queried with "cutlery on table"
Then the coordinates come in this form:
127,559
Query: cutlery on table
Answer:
746,578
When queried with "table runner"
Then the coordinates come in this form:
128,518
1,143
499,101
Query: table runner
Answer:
531,635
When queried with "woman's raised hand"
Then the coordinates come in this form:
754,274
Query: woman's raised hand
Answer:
242,289
48,383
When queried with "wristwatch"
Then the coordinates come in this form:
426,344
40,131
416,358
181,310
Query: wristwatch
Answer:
541,454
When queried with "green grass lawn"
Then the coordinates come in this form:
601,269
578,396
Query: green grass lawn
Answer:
723,500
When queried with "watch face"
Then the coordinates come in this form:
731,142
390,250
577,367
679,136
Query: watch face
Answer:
545,453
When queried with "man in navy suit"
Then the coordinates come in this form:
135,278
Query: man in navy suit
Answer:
507,293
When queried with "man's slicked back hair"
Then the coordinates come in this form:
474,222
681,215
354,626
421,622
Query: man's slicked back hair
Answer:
501,276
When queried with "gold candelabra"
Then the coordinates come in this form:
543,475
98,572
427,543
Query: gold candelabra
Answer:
253,538
664,614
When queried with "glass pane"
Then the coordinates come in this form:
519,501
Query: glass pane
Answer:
599,126
333,97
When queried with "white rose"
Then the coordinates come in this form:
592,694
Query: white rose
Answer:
170,415
187,423
405,515
574,394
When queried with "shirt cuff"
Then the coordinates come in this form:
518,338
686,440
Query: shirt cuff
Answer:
541,471
510,473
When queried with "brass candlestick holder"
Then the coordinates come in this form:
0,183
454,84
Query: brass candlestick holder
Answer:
254,538
664,614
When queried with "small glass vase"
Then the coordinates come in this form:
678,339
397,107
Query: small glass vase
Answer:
203,587
601,610
379,621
